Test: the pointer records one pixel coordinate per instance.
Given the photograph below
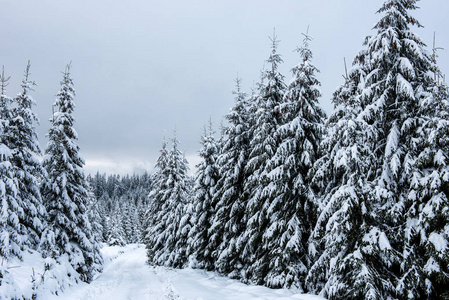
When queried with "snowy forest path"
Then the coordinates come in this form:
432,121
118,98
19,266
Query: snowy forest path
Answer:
126,275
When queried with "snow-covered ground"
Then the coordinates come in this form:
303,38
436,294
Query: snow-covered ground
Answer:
127,276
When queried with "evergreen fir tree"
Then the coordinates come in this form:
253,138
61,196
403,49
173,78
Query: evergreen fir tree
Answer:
20,136
268,118
351,252
5,101
65,191
104,214
95,217
116,234
99,185
380,241
167,239
289,202
425,263
130,221
141,215
205,181
157,197
228,223
401,92
425,225
11,211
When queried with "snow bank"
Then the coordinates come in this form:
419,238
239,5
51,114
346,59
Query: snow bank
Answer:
34,276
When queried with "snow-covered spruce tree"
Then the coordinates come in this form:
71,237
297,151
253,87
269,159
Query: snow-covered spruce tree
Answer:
64,191
167,239
99,184
203,206
395,250
130,221
5,101
413,177
157,198
10,227
425,265
351,253
433,189
229,198
288,201
142,209
95,216
104,214
116,234
21,138
263,145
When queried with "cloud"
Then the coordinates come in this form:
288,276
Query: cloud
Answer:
121,167
142,67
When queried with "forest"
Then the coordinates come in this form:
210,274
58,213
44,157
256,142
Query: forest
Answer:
353,205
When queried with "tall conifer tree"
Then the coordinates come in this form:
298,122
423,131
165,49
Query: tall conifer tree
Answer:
347,258
379,239
10,226
65,191
156,200
167,239
116,234
412,148
229,220
203,204
289,200
268,118
21,137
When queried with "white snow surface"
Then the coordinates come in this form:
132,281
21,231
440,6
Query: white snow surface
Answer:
127,276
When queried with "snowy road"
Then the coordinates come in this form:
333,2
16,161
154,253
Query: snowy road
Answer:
127,276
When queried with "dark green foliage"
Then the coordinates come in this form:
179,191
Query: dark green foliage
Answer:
64,191
383,173
229,194
204,209
262,147
20,137
170,211
289,201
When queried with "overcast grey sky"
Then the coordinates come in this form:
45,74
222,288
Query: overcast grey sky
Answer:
142,66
